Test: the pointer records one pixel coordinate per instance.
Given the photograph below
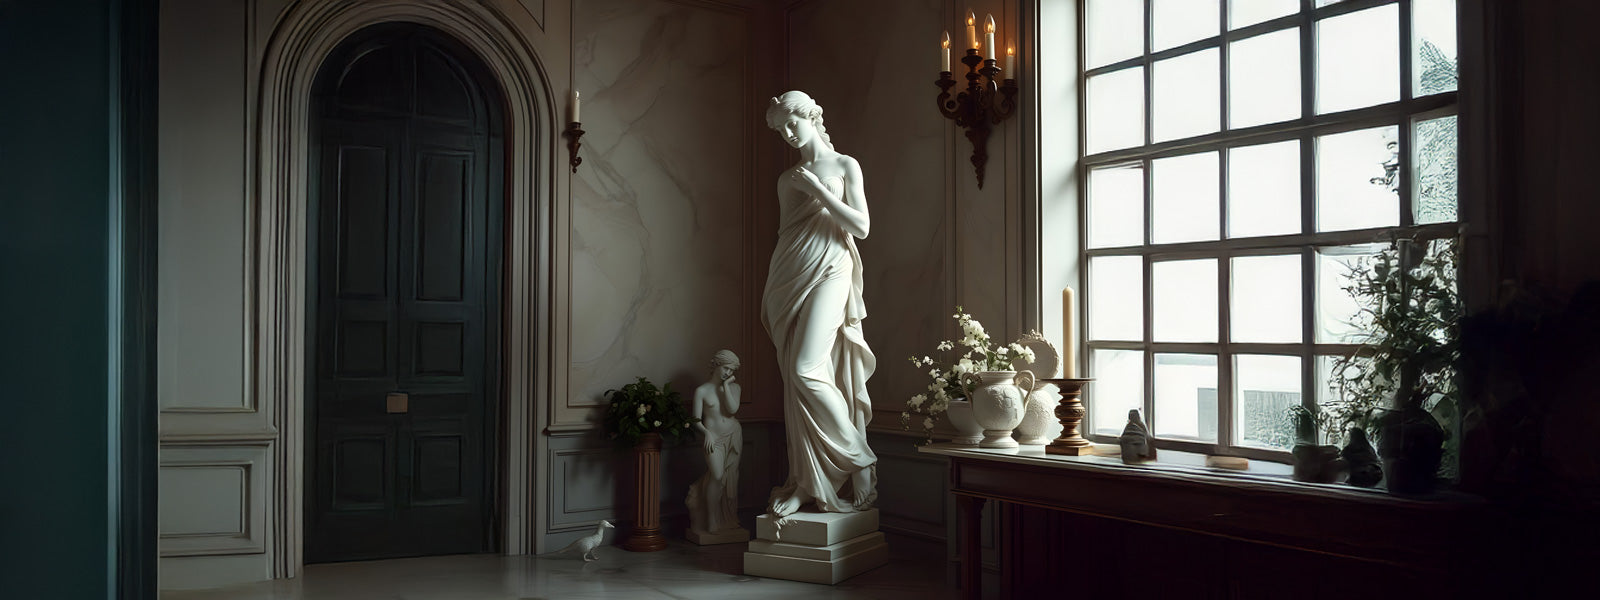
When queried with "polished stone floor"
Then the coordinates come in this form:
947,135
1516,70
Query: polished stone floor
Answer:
916,570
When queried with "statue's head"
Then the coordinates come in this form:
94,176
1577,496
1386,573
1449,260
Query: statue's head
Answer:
798,118
724,363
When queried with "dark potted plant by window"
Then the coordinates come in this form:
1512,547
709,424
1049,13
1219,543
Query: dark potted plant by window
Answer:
1405,370
638,415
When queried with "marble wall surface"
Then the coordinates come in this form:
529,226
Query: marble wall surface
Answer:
660,202
937,240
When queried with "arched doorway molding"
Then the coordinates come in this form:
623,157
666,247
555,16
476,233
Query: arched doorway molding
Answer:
304,36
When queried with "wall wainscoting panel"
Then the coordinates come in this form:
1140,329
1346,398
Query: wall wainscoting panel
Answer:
213,500
913,489
205,69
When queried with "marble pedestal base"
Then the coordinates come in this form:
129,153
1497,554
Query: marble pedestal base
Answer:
817,547
726,536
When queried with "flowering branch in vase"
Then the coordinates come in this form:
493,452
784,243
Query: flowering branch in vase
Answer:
977,353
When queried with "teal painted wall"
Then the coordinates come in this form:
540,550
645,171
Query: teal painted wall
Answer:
57,202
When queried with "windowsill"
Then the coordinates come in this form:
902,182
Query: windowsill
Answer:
1189,467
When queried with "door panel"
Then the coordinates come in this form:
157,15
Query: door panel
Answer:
406,301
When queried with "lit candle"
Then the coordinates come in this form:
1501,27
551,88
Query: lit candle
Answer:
1011,59
572,109
988,36
1069,330
944,52
972,32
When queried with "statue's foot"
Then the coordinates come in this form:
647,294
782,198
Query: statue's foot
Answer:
785,506
866,491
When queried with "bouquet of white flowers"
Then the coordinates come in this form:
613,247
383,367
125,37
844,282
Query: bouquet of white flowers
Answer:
946,376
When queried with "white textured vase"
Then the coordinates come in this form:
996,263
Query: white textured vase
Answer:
968,431
1038,417
998,405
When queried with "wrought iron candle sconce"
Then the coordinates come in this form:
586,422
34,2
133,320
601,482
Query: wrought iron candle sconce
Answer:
983,105
573,132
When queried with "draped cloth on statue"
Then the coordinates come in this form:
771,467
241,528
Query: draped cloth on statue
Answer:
825,404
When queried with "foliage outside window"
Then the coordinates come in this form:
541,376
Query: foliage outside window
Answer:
1241,159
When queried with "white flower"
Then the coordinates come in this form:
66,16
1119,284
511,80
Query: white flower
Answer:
643,408
972,328
940,405
1001,350
1027,354
916,401
966,366
927,360
944,345
933,373
927,422
971,341
658,423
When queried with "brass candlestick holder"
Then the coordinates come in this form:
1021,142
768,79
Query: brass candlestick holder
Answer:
983,104
573,133
1070,412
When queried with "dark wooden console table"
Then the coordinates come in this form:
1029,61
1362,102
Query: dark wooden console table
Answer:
1090,525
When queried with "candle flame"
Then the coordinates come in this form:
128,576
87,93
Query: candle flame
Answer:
1011,51
971,18
945,43
988,25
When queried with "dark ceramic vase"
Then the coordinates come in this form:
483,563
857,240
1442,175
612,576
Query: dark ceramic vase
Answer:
1412,444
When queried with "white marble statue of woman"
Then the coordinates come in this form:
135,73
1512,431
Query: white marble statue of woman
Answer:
714,499
813,309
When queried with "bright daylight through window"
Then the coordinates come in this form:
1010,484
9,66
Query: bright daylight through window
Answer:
1240,156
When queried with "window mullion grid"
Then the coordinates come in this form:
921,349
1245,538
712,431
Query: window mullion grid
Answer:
1225,407
1149,400
1308,327
1222,67
1308,206
1403,136
1149,83
1224,354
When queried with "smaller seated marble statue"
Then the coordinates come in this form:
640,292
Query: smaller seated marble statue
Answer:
714,499
1135,440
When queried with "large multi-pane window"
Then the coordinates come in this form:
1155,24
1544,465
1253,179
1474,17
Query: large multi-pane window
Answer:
1239,155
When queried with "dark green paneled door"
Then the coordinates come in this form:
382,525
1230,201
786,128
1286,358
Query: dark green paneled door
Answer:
407,166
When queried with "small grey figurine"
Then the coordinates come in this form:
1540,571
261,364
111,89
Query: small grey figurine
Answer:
1135,440
586,544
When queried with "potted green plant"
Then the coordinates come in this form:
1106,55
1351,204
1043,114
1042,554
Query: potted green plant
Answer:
640,409
1410,346
638,415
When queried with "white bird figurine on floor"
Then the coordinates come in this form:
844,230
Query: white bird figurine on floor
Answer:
588,543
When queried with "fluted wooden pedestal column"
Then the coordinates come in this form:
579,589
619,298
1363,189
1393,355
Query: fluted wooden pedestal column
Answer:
647,511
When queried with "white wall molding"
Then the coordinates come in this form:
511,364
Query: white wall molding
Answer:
536,244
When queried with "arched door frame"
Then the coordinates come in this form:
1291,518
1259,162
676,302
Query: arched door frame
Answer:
534,261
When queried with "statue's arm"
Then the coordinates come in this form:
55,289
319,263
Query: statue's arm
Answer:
730,397
699,412
850,212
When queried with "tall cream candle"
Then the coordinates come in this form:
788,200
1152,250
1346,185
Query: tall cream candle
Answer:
1069,333
988,37
572,109
944,52
972,30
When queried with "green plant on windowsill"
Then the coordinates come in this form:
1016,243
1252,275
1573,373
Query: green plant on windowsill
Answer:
641,408
1406,366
